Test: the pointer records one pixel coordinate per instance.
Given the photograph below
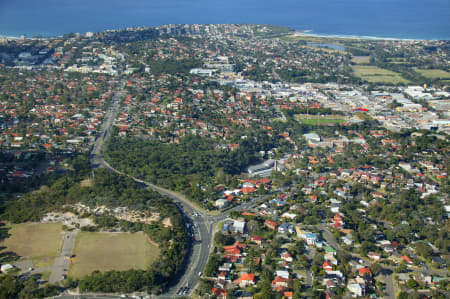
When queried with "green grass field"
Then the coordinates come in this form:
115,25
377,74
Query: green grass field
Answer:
314,119
363,116
397,60
300,37
361,59
311,38
111,251
433,73
377,75
39,242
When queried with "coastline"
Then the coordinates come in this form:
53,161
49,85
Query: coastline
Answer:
296,32
29,35
24,36
310,33
9,37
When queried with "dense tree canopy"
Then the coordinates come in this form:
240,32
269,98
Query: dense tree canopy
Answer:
183,166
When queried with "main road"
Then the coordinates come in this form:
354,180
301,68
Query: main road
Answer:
202,224
96,156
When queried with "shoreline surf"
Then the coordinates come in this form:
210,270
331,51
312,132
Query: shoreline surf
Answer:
296,31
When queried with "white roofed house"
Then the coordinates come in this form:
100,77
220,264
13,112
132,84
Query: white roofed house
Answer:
202,72
239,225
311,238
374,256
335,205
6,267
263,169
286,228
347,239
312,137
221,203
288,215
356,289
282,273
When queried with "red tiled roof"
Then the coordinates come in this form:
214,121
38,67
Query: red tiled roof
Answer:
364,271
270,223
278,279
407,259
327,265
246,277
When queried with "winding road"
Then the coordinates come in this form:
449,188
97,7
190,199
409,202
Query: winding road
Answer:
204,224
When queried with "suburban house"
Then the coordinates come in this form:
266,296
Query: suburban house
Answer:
287,257
285,228
270,224
245,279
280,283
257,239
221,203
310,238
327,266
239,225
356,289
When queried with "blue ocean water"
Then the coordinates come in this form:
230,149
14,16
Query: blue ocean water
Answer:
415,19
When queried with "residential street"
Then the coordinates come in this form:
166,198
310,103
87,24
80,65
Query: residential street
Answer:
310,252
389,281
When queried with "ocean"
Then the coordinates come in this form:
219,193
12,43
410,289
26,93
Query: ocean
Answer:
406,19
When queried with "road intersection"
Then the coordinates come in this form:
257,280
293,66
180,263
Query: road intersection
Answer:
196,262
198,218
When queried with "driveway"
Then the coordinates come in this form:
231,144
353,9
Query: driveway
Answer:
61,264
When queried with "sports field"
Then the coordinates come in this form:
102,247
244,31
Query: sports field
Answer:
361,59
378,75
39,242
363,116
111,251
433,73
319,119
